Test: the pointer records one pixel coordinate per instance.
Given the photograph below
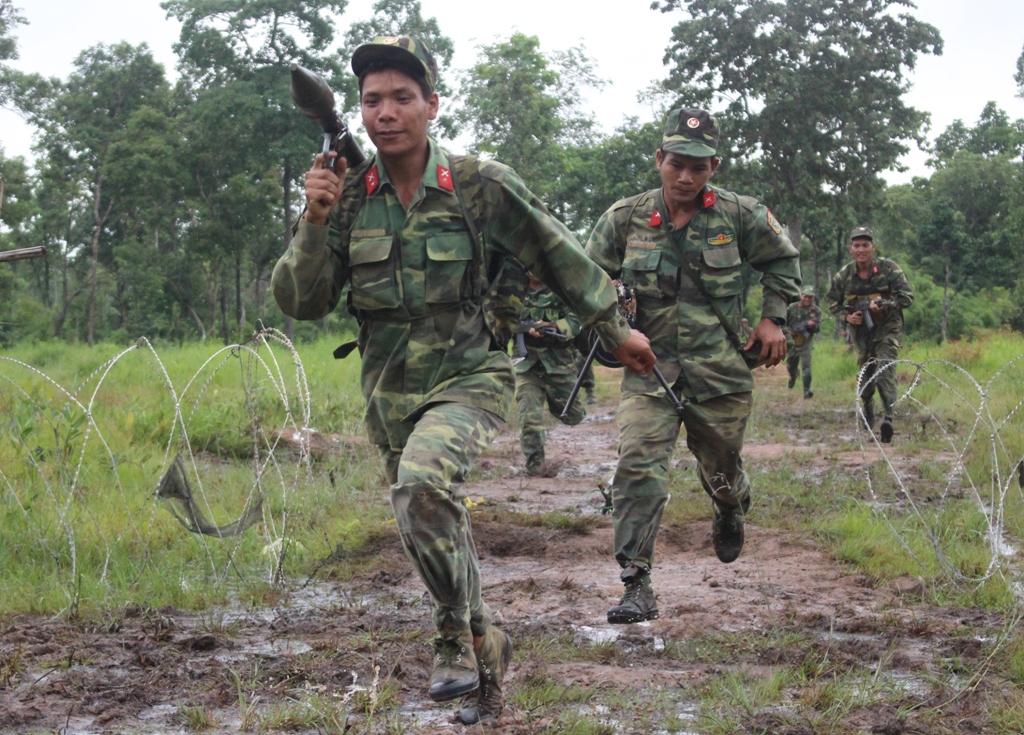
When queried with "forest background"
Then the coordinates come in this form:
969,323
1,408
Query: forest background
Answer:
164,207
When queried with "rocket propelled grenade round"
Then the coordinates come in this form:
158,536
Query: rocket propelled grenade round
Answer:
315,99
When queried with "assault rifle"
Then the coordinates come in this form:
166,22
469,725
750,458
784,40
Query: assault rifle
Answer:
316,100
544,329
864,307
627,307
39,251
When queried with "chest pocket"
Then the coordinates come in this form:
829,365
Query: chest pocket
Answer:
640,268
722,272
448,255
374,282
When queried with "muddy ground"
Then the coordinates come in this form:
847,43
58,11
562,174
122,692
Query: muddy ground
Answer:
354,655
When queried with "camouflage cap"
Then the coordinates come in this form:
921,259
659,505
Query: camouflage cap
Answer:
808,291
403,51
861,232
690,132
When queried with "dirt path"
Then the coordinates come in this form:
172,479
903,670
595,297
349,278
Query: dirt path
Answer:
360,645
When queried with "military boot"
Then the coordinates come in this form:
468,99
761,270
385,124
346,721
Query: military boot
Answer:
727,532
792,380
886,430
492,657
638,602
455,665
591,399
534,463
869,417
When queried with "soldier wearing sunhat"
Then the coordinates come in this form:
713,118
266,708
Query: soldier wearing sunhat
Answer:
878,281
681,247
426,241
803,321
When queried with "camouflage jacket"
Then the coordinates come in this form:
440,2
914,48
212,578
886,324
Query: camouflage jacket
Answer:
555,355
423,336
797,314
886,281
635,241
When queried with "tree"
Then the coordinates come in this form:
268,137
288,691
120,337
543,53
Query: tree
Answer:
239,50
81,120
812,89
994,135
523,107
10,18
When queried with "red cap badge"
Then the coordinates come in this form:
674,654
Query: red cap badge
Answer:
655,219
709,199
444,178
372,180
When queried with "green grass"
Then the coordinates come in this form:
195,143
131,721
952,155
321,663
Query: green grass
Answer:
80,528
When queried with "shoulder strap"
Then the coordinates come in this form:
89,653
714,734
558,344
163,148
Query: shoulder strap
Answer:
466,173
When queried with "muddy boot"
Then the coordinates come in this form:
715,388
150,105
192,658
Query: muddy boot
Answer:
591,399
638,602
808,394
727,533
534,463
886,430
493,657
792,380
455,671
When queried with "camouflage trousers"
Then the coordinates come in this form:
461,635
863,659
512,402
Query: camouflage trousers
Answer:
428,498
876,360
648,429
535,388
799,360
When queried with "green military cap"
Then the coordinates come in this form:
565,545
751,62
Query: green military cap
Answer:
861,232
690,132
403,51
808,291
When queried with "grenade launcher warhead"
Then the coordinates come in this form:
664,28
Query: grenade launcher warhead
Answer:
316,100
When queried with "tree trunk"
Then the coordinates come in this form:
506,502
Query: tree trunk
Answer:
223,310
98,222
796,231
197,320
289,323
946,301
239,309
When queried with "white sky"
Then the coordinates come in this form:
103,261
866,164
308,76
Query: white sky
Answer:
983,40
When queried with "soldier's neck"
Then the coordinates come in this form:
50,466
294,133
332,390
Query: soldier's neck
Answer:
680,213
406,172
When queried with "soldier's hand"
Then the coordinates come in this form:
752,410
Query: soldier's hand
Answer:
855,318
812,324
773,342
323,188
875,308
636,354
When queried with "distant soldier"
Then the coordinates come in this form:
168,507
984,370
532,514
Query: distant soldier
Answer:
419,236
803,321
681,248
870,294
546,373
745,329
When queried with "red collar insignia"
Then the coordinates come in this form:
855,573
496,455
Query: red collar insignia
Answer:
709,199
655,219
444,178
372,180
874,269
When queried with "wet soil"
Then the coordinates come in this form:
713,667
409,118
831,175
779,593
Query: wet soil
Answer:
548,573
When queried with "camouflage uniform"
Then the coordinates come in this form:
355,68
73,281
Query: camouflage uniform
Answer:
799,358
878,347
635,241
547,373
436,382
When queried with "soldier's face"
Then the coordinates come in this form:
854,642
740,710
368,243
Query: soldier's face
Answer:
863,250
683,177
806,300
395,113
